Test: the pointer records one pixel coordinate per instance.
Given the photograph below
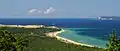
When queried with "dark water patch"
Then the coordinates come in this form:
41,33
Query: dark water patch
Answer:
97,33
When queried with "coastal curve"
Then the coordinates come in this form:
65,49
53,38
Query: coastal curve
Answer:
55,34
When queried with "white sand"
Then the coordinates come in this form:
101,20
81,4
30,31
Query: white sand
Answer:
22,26
54,34
27,26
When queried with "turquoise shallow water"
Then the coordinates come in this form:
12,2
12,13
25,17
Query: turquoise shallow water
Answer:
69,34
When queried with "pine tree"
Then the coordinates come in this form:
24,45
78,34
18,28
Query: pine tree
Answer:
114,43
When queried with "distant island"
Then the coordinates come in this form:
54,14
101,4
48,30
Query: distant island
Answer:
108,18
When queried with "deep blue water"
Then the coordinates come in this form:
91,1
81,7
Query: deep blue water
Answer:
100,27
87,27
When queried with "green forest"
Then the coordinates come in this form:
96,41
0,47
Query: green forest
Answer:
34,39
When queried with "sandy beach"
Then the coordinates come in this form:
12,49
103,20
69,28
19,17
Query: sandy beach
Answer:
27,26
54,34
22,26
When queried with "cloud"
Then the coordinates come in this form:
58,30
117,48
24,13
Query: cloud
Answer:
49,10
46,12
33,10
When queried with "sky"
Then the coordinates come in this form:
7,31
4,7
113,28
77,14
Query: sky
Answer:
58,8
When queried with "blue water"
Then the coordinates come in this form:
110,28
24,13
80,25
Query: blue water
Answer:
83,39
89,31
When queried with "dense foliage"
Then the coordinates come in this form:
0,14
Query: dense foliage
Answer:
9,42
40,42
114,42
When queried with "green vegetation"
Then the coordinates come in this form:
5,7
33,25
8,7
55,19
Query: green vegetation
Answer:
9,42
40,42
114,42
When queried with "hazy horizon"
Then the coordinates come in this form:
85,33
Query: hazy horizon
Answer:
58,8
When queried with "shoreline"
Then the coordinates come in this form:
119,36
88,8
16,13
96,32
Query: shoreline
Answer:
50,34
55,34
22,26
27,26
